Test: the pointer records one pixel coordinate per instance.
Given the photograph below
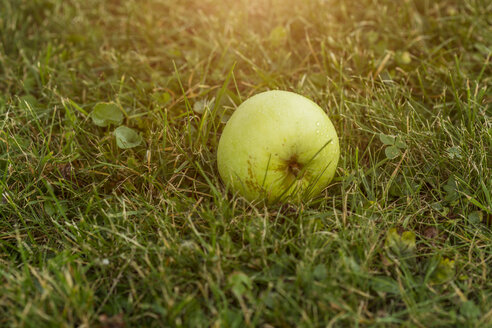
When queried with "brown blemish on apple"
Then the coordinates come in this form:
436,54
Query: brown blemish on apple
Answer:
251,181
294,167
250,169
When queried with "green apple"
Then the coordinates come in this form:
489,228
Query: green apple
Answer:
276,146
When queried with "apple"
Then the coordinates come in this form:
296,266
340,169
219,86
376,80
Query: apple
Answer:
278,146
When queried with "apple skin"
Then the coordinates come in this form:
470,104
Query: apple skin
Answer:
278,146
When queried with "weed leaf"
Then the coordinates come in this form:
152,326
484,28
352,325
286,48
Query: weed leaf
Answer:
470,310
386,139
392,152
239,283
400,143
400,247
278,36
105,114
451,189
444,271
475,217
127,138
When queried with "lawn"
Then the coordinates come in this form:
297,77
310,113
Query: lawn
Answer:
93,234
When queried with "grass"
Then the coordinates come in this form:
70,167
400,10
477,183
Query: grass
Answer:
94,235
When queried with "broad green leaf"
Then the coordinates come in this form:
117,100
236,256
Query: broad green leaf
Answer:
386,139
475,217
320,272
392,152
269,299
470,310
408,239
52,209
400,143
392,237
454,152
436,206
126,137
400,247
161,98
444,271
278,35
239,284
105,114
451,184
351,263
451,189
403,58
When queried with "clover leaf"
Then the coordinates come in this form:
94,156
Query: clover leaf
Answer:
127,138
105,114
